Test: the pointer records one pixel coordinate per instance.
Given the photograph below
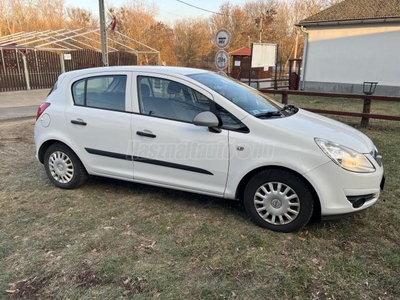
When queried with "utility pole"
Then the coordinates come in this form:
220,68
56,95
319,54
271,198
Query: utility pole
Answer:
295,50
264,19
103,33
259,22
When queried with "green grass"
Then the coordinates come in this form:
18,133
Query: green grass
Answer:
111,239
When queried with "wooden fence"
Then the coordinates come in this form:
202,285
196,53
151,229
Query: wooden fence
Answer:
24,69
365,115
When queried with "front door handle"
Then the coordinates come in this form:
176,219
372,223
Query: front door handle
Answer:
146,134
78,122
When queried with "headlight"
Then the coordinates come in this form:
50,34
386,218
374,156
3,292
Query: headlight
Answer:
347,158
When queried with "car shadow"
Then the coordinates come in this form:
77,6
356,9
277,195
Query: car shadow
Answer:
178,197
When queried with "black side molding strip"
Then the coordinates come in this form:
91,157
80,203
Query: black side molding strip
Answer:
148,161
108,154
170,165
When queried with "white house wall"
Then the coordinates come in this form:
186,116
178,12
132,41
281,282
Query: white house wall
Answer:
340,59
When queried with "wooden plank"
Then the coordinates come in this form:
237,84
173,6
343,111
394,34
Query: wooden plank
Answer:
332,95
352,114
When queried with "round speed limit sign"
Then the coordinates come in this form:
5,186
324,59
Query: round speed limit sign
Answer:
222,59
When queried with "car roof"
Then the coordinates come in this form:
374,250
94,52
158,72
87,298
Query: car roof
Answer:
155,69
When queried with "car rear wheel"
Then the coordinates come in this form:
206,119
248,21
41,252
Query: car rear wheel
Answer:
63,167
278,200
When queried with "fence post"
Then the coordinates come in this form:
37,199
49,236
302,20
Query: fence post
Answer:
284,98
3,61
26,72
366,110
62,63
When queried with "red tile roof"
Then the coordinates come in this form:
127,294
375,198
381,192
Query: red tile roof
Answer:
244,51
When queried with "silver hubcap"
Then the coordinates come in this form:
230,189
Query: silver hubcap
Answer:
61,167
277,203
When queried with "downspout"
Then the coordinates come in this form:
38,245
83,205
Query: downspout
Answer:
304,62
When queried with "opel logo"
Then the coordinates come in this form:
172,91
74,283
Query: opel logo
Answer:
276,203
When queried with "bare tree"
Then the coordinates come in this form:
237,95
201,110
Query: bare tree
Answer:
135,19
161,38
21,15
192,42
80,17
234,19
261,15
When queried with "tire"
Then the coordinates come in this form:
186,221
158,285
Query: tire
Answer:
278,200
63,167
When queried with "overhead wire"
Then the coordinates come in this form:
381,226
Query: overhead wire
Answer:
197,7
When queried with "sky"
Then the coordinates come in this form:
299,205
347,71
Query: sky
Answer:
168,10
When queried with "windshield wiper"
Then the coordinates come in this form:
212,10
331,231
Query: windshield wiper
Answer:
268,114
289,107
277,113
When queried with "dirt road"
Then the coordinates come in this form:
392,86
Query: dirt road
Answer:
20,104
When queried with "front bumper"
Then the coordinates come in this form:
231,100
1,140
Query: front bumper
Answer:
342,192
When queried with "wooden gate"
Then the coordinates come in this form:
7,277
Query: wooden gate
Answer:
43,68
82,59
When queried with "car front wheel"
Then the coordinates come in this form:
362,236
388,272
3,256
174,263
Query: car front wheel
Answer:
63,167
278,200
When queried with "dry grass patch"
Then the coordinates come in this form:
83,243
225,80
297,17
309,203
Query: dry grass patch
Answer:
112,239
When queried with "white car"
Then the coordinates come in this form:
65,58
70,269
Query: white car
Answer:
197,131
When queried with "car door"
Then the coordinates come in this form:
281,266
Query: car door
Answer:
168,149
98,123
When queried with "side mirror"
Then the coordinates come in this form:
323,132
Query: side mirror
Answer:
207,119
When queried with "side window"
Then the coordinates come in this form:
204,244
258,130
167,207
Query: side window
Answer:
172,100
169,99
229,121
106,92
78,92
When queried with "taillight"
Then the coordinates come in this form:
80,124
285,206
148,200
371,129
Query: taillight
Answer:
41,109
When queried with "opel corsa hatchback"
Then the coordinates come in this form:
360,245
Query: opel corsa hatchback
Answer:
196,131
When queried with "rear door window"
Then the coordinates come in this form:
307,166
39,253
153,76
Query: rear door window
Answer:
104,92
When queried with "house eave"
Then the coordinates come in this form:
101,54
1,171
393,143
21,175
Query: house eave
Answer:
349,22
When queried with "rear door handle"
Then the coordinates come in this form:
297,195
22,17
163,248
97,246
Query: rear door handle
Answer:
78,122
146,134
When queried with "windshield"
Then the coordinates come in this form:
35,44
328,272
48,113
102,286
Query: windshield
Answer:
239,93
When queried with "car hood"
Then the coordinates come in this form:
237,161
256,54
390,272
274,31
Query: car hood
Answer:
310,125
